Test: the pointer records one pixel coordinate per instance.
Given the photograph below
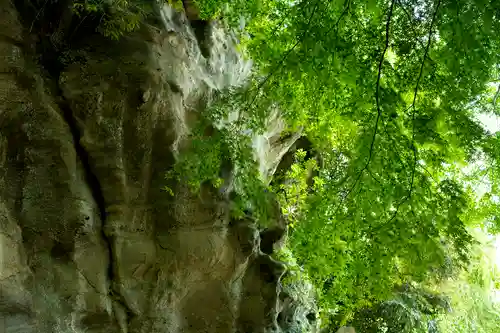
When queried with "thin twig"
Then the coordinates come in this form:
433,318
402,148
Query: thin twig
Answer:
495,98
280,63
432,177
38,14
416,93
377,99
374,178
379,75
414,148
412,26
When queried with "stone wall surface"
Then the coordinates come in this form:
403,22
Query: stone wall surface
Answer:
89,240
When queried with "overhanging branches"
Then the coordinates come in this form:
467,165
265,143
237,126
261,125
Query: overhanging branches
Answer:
413,107
287,53
377,99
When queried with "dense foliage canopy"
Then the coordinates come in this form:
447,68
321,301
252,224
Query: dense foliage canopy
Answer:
467,303
389,93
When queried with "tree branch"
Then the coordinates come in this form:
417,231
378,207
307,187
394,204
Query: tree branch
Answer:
287,53
377,99
415,93
379,75
495,98
401,5
414,148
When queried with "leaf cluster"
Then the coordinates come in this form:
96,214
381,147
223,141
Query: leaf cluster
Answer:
116,17
388,92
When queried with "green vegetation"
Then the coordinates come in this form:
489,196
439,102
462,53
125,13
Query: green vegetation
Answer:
468,301
474,293
411,309
117,17
388,92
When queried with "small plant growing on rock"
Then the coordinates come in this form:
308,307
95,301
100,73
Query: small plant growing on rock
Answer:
117,17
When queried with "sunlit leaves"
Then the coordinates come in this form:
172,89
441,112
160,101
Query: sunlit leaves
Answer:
386,96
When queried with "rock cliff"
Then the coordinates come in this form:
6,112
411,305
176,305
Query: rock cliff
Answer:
89,241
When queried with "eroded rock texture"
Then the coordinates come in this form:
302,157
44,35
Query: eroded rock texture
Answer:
89,241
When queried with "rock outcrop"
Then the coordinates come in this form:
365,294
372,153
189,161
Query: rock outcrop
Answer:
89,241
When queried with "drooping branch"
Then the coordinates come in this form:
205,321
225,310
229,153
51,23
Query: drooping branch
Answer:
412,26
413,108
334,26
377,99
279,65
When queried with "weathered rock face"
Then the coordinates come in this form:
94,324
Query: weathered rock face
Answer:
89,241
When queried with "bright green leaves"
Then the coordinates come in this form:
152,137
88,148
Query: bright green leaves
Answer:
234,12
395,193
389,203
474,291
224,157
293,189
469,50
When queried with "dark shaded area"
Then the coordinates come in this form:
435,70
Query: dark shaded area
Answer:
270,270
62,251
311,317
269,237
51,28
200,27
246,235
